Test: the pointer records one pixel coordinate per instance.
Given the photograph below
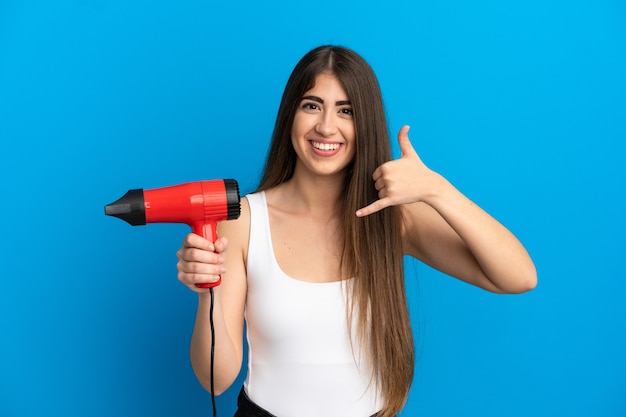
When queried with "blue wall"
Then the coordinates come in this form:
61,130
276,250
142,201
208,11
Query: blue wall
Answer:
521,104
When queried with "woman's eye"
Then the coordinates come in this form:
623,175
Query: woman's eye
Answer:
347,111
310,106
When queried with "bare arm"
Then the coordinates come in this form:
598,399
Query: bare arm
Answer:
446,230
201,261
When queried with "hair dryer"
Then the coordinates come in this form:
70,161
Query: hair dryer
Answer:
200,204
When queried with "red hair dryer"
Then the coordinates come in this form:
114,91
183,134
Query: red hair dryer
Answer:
200,204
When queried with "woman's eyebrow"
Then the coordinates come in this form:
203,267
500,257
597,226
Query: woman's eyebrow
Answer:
313,98
319,100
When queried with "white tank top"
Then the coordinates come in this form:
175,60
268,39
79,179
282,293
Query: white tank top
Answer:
300,360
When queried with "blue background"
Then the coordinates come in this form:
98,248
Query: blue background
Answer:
520,104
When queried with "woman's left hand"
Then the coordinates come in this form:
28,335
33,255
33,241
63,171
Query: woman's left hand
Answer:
401,181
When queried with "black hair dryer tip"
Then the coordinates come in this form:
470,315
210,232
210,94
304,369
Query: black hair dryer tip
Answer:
129,208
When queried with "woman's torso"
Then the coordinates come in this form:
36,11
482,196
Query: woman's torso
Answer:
301,362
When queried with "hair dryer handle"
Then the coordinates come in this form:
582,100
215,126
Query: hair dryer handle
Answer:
209,232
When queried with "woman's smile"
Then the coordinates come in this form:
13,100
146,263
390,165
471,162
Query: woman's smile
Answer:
324,148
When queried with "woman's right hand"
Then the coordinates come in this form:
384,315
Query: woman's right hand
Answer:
200,261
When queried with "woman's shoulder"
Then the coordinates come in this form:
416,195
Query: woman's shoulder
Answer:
256,196
244,216
237,231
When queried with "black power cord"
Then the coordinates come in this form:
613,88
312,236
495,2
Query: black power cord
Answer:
212,353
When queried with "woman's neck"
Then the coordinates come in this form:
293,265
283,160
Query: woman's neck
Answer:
317,195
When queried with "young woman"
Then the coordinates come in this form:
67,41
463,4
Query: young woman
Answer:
314,264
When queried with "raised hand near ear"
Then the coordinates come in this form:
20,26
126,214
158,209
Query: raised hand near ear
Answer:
401,181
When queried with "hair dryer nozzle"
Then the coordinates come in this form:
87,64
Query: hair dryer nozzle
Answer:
129,208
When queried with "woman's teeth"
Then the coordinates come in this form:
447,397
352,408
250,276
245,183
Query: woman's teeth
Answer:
325,146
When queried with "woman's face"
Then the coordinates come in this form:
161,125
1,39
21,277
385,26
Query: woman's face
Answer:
323,133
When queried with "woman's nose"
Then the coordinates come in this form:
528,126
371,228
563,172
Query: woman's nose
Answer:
326,125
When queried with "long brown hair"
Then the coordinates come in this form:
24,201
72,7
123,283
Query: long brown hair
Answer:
372,247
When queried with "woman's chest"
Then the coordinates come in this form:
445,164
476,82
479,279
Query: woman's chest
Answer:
306,249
